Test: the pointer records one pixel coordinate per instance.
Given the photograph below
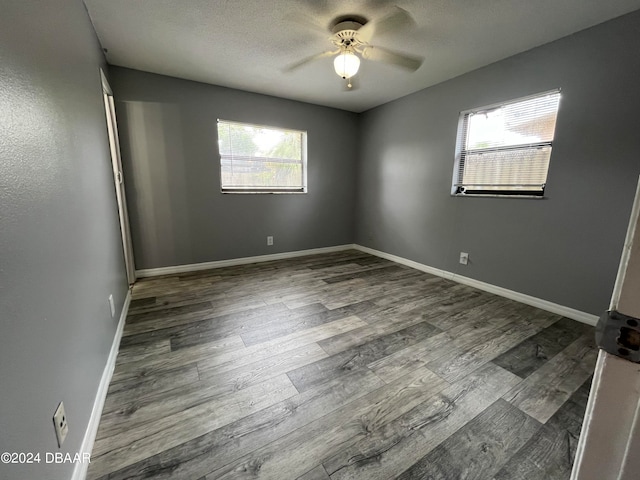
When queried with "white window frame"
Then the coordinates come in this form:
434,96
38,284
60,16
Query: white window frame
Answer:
460,152
266,189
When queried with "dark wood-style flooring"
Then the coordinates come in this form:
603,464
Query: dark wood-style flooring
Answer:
340,366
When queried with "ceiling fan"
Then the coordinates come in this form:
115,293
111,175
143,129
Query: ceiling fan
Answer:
352,34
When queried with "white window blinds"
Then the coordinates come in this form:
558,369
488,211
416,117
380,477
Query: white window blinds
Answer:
261,159
505,148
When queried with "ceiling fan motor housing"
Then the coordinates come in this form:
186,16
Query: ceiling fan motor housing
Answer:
345,34
346,25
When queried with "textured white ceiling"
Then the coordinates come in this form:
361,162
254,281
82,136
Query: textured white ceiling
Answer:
246,44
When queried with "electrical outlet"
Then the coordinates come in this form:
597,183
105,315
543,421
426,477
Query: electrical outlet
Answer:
60,424
270,240
464,258
112,306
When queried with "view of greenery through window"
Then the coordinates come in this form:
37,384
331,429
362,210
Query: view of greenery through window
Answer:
257,158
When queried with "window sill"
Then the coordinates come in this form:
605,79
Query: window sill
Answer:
262,192
530,197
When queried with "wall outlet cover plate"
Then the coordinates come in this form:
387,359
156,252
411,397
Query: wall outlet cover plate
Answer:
60,424
112,306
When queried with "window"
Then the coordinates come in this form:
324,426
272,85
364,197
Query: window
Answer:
261,159
504,149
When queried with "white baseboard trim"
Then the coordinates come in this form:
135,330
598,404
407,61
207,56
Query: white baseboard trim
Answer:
568,312
193,267
487,287
80,470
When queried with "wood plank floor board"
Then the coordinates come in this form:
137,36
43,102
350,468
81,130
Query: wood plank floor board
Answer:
381,271
368,292
359,258
210,329
457,363
550,453
362,287
401,443
227,347
190,312
125,392
328,264
336,297
146,408
218,357
295,291
301,450
369,332
543,392
424,300
473,316
403,361
321,366
358,357
507,314
421,284
462,298
187,297
134,444
205,332
142,332
171,311
486,443
240,357
218,298
240,377
526,357
382,296
296,283
141,303
278,328
142,351
154,326
221,446
297,294
318,473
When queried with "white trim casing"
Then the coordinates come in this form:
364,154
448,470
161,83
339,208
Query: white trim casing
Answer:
80,470
568,312
610,437
611,423
194,267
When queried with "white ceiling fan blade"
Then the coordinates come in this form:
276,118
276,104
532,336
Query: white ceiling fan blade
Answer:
398,18
379,54
310,59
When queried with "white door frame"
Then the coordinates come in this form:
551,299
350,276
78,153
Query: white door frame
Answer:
116,162
609,445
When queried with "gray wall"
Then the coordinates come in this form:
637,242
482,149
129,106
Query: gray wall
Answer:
60,251
172,173
565,248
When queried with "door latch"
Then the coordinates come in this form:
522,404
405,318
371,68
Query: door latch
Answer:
619,334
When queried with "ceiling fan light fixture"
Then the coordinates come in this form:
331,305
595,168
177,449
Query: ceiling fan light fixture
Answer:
346,64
